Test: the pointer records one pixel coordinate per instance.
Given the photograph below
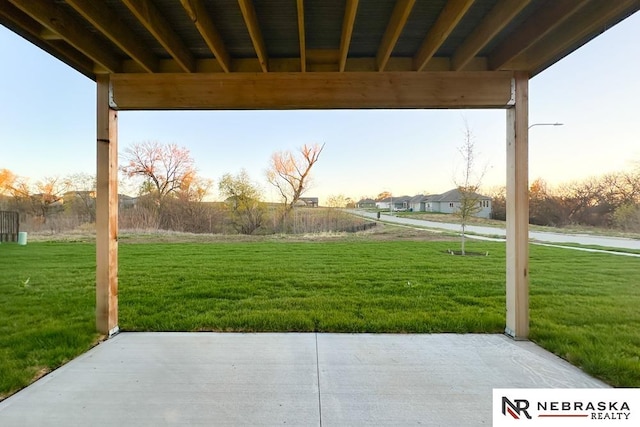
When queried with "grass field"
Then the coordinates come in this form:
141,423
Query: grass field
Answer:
584,307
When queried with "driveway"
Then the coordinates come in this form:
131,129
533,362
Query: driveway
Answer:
539,236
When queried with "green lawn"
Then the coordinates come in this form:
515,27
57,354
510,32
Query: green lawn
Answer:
584,306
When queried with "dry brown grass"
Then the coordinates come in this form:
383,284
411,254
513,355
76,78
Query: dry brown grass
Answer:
383,232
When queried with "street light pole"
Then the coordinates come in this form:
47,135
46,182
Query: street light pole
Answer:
546,124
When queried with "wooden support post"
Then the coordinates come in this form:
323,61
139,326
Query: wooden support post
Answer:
518,210
106,212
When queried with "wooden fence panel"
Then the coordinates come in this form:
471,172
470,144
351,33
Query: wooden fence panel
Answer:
9,226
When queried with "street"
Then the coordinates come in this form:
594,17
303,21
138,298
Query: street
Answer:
538,236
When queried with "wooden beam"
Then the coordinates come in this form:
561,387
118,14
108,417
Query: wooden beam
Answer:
450,16
322,90
538,25
106,212
25,26
203,22
251,20
50,15
350,11
399,16
302,36
101,16
497,18
147,13
47,34
593,18
518,210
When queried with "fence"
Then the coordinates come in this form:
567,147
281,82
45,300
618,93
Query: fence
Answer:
9,226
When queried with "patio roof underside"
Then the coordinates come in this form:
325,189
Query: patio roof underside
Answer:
310,53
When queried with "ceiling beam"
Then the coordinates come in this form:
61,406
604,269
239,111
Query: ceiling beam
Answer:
50,15
399,16
301,36
251,20
350,11
22,24
318,90
497,18
203,22
101,16
47,34
149,16
592,19
538,25
451,14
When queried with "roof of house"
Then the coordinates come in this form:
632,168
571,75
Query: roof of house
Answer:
395,199
454,195
369,201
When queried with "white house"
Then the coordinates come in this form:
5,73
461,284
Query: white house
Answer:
448,202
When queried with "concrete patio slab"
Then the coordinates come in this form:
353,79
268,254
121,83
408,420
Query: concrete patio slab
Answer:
300,379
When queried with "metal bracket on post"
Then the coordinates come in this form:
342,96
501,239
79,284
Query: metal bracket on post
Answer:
113,332
512,100
112,103
511,334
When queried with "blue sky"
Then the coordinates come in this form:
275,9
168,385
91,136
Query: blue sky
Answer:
47,127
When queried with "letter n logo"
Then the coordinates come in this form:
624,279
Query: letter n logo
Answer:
515,408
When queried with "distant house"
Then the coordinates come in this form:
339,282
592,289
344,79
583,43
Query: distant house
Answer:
400,203
89,199
448,202
310,202
127,201
70,196
366,204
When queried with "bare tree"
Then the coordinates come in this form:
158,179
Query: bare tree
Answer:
338,201
166,171
468,184
498,203
382,196
627,217
40,201
290,173
80,200
7,180
163,168
243,198
50,196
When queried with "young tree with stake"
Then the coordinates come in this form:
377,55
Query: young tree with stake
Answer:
468,184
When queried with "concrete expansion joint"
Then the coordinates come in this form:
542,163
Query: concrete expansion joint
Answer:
318,378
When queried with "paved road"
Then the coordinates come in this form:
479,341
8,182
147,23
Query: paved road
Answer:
540,236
